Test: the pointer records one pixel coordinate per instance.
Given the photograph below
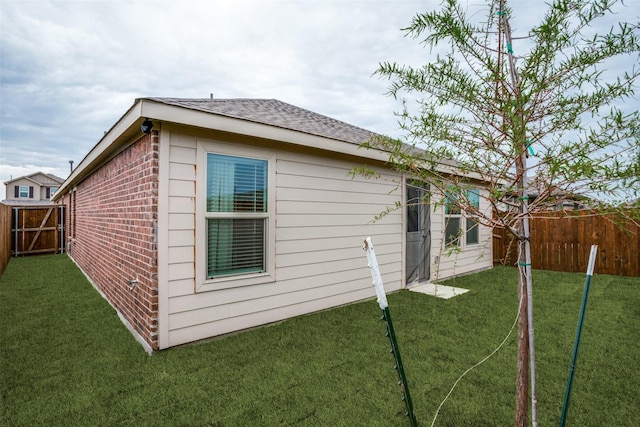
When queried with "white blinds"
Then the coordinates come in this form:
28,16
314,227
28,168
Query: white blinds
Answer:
236,215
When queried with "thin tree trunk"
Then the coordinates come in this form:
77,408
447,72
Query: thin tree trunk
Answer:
522,376
524,259
529,286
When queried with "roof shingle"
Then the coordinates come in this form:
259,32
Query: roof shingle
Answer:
275,113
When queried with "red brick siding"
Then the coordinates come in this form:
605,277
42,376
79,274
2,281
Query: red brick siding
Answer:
116,213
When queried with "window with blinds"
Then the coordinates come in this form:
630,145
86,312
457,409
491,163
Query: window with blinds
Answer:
236,215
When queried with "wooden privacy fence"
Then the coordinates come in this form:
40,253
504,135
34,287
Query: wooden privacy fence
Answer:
37,229
562,243
5,236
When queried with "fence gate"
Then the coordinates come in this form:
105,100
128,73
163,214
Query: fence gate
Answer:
37,230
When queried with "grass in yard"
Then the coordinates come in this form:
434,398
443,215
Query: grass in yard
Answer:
65,358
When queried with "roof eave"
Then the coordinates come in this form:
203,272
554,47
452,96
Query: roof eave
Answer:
207,120
128,126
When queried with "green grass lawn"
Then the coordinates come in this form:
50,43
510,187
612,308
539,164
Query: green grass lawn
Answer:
66,359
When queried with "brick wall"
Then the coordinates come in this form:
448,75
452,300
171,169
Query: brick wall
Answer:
114,238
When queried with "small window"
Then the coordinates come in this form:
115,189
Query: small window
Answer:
452,231
453,218
452,206
49,192
474,198
461,229
473,237
472,226
24,192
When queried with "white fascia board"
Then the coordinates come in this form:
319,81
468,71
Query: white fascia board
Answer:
450,169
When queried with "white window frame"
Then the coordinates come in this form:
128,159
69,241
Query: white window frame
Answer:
20,188
204,284
462,236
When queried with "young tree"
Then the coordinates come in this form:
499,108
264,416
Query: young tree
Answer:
544,112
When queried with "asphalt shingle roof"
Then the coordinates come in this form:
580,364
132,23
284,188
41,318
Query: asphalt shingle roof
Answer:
275,113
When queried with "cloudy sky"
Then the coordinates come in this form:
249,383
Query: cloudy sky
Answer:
70,69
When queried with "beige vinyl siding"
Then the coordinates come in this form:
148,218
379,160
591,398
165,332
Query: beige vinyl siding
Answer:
43,179
332,227
237,323
321,217
470,257
181,223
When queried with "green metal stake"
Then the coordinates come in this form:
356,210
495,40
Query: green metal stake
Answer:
386,316
576,344
402,378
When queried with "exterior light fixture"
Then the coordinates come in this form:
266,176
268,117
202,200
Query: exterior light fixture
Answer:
147,126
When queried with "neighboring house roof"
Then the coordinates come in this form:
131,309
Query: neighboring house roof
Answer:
20,178
554,193
55,177
31,177
275,113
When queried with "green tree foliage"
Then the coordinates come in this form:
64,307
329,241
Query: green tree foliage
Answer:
543,114
559,93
